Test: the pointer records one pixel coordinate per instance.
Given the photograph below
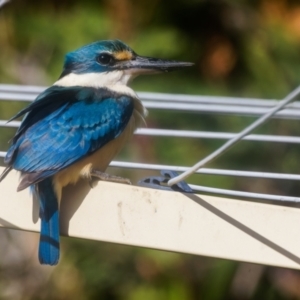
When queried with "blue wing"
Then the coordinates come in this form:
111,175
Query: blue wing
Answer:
53,135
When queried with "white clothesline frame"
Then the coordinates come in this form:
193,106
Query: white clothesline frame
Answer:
196,224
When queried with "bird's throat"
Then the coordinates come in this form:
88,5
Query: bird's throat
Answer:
115,80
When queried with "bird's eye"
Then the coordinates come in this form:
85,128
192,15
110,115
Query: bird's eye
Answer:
105,59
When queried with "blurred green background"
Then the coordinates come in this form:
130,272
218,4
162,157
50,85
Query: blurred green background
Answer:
248,48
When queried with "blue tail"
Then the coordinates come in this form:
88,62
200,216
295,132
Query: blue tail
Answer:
49,215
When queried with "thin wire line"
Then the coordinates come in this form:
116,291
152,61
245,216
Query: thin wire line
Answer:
150,96
207,171
208,189
221,105
13,124
228,105
244,194
194,134
32,89
215,135
3,2
187,107
212,100
17,97
221,109
290,97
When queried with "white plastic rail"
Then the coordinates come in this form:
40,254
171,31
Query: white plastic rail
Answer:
186,223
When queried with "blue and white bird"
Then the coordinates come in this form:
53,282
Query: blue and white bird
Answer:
75,128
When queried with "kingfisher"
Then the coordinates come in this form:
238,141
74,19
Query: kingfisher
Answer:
74,128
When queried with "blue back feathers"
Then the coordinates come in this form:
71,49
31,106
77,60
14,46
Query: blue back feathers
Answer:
66,124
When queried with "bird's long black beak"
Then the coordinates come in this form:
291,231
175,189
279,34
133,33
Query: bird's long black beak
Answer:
147,65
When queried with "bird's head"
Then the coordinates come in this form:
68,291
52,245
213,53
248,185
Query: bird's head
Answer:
113,56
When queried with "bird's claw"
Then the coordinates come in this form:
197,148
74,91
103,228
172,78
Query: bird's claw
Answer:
108,177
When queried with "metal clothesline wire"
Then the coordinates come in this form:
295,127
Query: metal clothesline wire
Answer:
188,103
293,113
187,107
208,104
150,96
206,171
226,192
289,98
220,109
233,193
194,134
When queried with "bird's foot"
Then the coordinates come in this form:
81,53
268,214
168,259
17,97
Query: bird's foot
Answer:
108,177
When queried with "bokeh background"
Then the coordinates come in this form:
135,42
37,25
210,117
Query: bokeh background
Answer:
248,48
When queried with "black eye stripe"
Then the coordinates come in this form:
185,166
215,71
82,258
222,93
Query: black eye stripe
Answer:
105,59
